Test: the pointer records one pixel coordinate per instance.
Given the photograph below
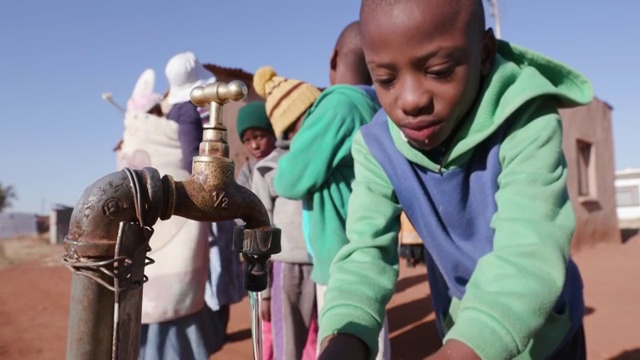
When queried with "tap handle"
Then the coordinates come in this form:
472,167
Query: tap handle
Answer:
219,92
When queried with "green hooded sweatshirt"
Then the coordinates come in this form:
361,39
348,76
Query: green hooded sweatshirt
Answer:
319,168
507,307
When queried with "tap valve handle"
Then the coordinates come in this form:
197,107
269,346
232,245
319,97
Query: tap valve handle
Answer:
219,93
216,95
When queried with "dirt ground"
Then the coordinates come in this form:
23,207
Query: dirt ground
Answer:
34,304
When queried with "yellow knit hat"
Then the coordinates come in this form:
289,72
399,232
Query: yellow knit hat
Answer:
286,99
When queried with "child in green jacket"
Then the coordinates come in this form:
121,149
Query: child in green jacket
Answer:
469,145
319,166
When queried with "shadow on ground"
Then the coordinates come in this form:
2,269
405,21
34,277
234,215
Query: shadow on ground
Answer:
588,310
628,355
239,335
627,234
415,337
411,281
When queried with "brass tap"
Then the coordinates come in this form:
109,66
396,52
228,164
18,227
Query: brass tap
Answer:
214,138
211,193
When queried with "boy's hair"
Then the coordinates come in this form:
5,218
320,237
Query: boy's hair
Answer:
348,52
475,6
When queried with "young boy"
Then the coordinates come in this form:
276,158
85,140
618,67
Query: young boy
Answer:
256,133
469,145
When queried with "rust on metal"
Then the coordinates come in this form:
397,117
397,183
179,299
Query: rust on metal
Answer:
96,218
133,244
108,270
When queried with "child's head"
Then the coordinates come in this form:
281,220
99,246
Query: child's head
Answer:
429,79
287,100
255,131
347,65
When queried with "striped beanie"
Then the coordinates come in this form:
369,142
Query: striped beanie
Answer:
286,99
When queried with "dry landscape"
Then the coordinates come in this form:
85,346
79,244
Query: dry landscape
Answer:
34,305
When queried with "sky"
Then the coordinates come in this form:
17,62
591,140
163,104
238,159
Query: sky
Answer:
58,57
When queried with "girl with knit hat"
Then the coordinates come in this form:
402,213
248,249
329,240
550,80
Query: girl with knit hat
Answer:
318,169
288,306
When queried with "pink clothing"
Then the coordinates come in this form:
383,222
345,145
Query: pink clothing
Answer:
143,102
267,341
310,350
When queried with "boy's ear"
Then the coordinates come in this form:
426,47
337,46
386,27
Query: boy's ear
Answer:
489,50
334,60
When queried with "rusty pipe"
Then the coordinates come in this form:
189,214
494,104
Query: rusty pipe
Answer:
122,197
106,203
141,196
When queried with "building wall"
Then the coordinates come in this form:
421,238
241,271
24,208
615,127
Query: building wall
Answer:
628,198
59,220
591,173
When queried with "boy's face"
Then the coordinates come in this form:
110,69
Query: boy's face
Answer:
426,59
258,142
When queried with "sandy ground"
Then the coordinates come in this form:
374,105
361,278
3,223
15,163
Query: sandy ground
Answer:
34,304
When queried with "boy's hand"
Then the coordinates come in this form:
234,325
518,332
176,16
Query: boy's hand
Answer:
265,309
454,349
343,346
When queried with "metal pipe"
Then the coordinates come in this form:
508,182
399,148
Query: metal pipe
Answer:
256,324
90,251
90,304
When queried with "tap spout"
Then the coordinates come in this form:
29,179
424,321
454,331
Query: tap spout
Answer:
212,195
